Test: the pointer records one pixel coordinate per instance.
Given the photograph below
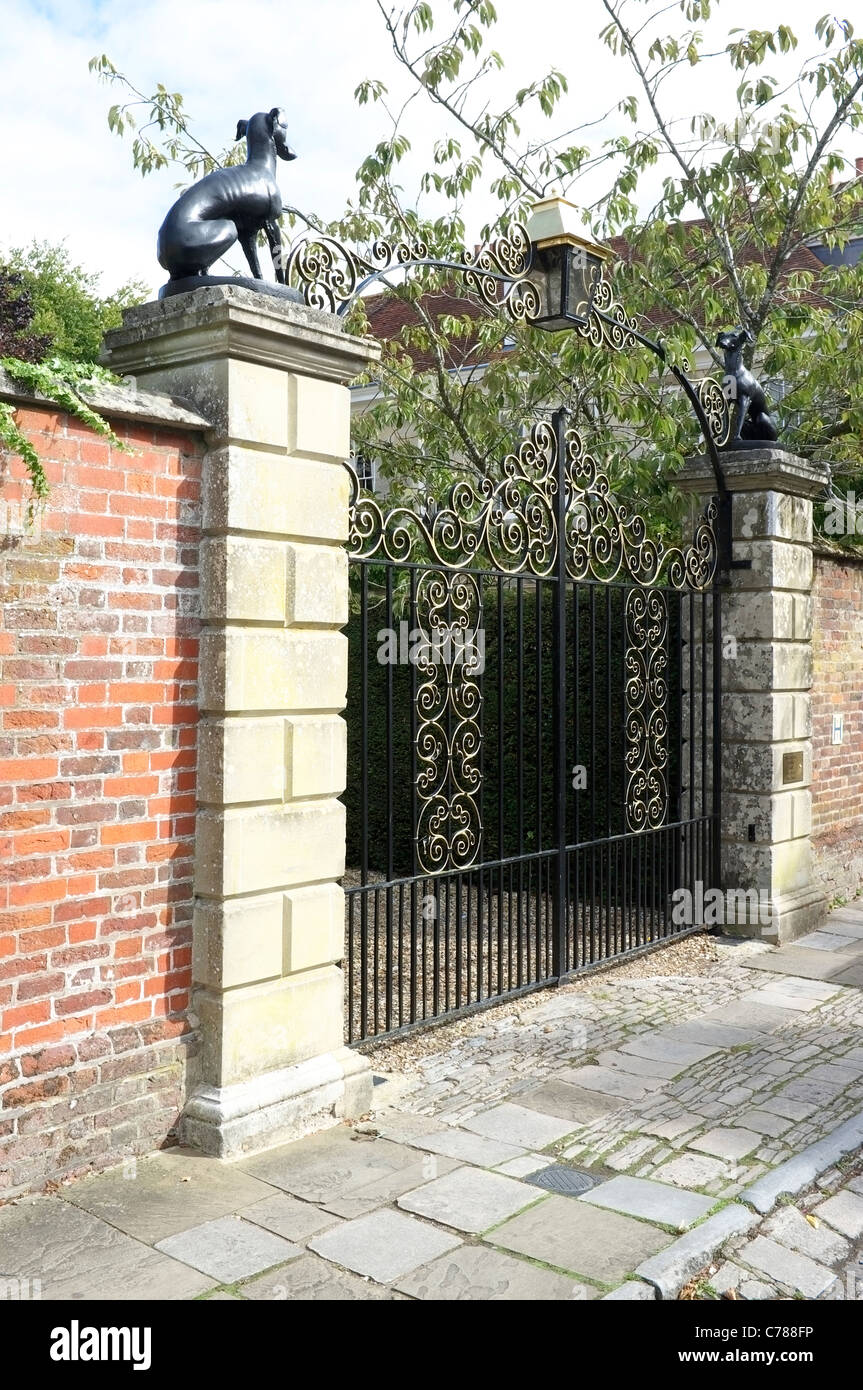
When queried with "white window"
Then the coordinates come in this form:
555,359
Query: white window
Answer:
366,472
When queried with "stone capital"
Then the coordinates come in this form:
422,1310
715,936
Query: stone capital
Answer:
228,321
769,469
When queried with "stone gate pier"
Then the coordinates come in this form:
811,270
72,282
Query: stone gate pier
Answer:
766,725
272,378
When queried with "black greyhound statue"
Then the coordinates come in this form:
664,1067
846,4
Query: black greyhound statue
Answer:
752,422
226,206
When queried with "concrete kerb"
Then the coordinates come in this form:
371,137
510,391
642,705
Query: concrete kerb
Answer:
801,1171
673,1267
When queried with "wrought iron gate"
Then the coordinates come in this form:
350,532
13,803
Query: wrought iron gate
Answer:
533,771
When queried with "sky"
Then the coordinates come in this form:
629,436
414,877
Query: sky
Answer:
65,177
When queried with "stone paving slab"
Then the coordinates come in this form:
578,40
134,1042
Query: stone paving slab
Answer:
523,1167
76,1256
852,977
568,1102
789,1108
762,1122
800,962
311,1279
850,913
468,1147
630,1292
826,941
817,1092
403,1126
786,1266
691,1170
665,1049
835,1074
844,1213
518,1124
732,1144
764,1017
730,1276
651,1201
385,1189
639,1066
288,1217
788,1000
596,1244
477,1274
469,1199
713,1034
610,1082
229,1249
158,1196
385,1245
844,926
674,1128
790,1227
347,1176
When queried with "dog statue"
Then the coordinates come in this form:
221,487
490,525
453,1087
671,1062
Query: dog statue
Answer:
752,421
226,206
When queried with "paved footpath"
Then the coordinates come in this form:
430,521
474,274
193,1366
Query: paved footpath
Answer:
624,1137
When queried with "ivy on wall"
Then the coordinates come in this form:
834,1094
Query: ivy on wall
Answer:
61,381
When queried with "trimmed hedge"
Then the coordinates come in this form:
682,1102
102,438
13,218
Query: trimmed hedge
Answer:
517,753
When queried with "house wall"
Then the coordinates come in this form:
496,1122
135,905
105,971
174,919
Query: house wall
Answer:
837,769
98,712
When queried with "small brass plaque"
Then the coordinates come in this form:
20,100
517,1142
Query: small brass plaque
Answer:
792,768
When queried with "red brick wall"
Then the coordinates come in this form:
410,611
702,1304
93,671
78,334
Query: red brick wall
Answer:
98,668
837,769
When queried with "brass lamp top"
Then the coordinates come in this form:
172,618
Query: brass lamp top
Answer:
557,222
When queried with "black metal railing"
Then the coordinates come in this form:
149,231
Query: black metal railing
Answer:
543,794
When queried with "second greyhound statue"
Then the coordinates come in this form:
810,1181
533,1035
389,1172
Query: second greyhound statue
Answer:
752,421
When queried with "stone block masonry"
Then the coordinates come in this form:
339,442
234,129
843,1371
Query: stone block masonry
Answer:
272,378
98,718
767,676
837,768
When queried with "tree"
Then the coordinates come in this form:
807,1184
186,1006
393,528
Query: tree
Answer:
47,293
726,240
68,310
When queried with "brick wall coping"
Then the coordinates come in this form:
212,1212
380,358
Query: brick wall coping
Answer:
122,402
827,551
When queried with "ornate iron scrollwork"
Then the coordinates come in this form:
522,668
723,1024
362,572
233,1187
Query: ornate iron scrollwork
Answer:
646,695
330,275
716,406
506,261
604,540
449,705
508,523
608,324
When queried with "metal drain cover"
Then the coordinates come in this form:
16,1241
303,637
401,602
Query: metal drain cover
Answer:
569,1182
